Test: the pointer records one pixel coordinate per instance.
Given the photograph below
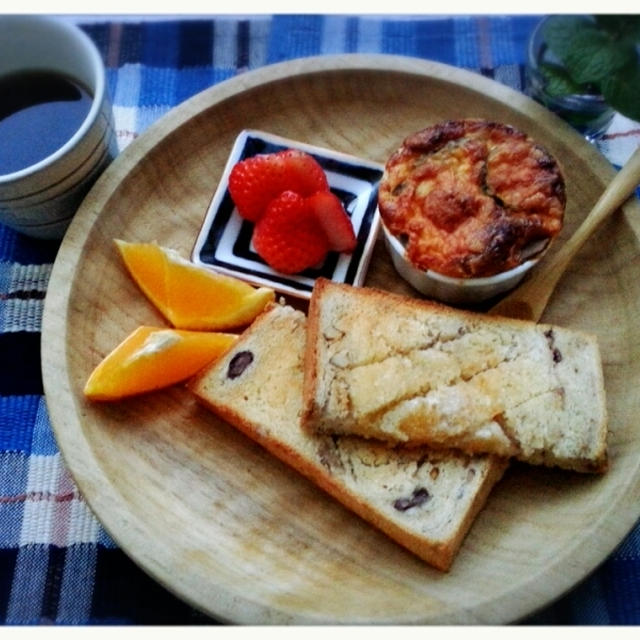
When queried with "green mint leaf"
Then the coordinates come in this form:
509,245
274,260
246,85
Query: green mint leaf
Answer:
622,91
558,32
558,82
593,56
620,27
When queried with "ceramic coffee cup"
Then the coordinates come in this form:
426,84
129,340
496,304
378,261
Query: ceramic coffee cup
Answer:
43,179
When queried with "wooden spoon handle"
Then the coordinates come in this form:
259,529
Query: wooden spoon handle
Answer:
529,300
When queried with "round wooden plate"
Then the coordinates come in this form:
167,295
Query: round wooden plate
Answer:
216,519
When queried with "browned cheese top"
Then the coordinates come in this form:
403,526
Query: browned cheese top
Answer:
469,197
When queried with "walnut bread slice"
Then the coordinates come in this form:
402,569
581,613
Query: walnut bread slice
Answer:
398,369
425,500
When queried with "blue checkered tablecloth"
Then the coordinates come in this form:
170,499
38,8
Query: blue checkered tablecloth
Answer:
57,564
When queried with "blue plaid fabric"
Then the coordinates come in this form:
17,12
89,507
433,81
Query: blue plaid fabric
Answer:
57,564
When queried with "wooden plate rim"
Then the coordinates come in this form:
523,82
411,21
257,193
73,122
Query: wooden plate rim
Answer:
64,410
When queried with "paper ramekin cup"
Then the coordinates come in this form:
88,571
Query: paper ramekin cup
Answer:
454,291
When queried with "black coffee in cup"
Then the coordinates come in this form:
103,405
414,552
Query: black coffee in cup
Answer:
56,129
39,112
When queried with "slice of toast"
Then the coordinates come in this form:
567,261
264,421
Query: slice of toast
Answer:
423,499
385,366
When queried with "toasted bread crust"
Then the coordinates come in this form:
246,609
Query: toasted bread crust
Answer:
471,198
388,367
376,482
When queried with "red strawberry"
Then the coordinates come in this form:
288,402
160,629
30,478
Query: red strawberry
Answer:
288,236
334,220
254,182
302,173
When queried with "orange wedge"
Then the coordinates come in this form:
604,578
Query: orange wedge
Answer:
190,296
152,358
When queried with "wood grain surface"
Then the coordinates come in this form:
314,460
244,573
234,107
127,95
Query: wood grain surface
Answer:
216,519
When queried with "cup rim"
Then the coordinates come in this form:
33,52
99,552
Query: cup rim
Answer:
96,104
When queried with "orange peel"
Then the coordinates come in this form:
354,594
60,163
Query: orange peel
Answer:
190,296
152,358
